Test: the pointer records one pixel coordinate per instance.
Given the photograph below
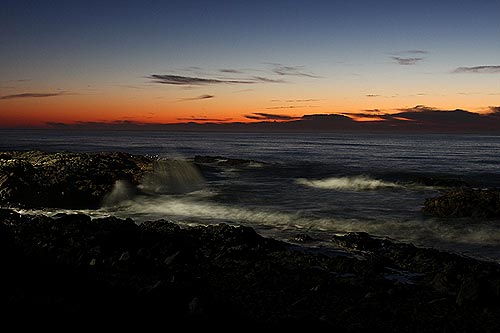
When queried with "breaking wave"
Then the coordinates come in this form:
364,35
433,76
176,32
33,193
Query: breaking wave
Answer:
173,177
355,183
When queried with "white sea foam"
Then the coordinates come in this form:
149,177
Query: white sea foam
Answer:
122,191
182,207
355,183
194,210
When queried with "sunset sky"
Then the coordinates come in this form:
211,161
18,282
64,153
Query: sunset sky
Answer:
88,62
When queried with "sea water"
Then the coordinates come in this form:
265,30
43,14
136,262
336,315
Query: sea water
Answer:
322,184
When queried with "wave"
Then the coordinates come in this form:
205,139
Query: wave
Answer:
172,176
354,183
480,239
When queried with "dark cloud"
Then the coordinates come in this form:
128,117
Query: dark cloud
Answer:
284,70
367,114
418,108
187,80
58,124
372,95
231,71
494,110
417,119
267,80
31,95
406,61
284,107
423,118
291,107
478,69
416,52
269,116
431,117
197,98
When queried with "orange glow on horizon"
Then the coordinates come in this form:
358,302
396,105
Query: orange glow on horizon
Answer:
147,107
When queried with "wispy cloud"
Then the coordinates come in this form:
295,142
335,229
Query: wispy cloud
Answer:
406,61
494,110
301,100
416,52
197,98
267,80
408,57
291,107
478,69
372,95
190,81
187,80
32,95
204,119
285,70
230,71
269,116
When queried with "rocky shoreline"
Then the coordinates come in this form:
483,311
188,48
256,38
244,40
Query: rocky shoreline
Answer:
73,268
110,269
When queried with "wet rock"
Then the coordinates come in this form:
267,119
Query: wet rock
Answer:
465,203
67,180
302,238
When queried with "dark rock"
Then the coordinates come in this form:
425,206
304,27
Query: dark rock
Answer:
113,271
67,180
302,238
359,241
465,203
470,291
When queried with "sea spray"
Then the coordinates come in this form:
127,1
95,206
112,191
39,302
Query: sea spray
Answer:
172,177
122,191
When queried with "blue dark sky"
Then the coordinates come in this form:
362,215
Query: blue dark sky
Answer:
354,49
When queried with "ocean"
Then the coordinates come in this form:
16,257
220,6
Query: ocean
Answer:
319,184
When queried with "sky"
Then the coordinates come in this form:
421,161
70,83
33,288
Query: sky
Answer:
140,63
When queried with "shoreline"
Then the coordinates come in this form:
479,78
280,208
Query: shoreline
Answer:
220,275
74,267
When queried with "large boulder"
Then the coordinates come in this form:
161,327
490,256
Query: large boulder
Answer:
66,180
465,203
